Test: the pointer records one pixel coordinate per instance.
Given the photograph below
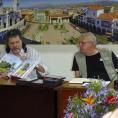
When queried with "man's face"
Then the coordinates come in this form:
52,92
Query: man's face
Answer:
86,45
15,44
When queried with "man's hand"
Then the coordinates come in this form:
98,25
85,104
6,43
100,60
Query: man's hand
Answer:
23,56
40,68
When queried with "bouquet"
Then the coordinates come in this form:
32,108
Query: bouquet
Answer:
95,102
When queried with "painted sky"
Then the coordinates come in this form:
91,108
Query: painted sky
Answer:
26,3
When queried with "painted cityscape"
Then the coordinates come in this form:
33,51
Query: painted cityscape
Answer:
60,21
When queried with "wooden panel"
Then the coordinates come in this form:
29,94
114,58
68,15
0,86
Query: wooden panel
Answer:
63,94
27,102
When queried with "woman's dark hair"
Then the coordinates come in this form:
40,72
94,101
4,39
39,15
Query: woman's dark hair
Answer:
14,33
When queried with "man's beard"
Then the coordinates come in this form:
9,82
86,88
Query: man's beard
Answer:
16,51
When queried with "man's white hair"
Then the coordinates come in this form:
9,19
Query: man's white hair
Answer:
89,35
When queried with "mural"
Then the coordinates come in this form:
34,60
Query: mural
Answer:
60,21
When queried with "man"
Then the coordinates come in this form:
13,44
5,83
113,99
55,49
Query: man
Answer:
91,62
16,46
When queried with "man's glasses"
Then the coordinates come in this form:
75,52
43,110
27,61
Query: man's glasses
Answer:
84,42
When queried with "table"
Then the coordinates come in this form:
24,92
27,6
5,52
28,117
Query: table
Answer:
35,101
27,101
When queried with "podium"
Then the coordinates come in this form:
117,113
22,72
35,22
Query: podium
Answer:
63,94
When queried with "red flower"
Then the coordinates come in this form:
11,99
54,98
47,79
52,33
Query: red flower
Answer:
111,100
71,115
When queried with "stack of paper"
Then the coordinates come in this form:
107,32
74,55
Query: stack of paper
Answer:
81,80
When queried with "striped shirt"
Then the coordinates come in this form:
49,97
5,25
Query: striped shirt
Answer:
33,55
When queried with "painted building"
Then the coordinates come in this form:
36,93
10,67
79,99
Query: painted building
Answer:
10,19
109,9
58,16
93,18
89,15
40,16
108,22
1,6
28,15
16,5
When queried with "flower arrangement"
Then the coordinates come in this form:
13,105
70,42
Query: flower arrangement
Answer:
96,101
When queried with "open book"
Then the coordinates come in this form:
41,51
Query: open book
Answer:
13,66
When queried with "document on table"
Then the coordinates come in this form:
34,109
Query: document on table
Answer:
81,80
87,80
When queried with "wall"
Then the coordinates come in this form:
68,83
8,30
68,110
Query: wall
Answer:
59,58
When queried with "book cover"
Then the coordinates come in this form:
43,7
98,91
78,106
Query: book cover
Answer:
13,66
9,63
25,69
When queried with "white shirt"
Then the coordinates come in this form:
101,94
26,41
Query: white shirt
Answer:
33,55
